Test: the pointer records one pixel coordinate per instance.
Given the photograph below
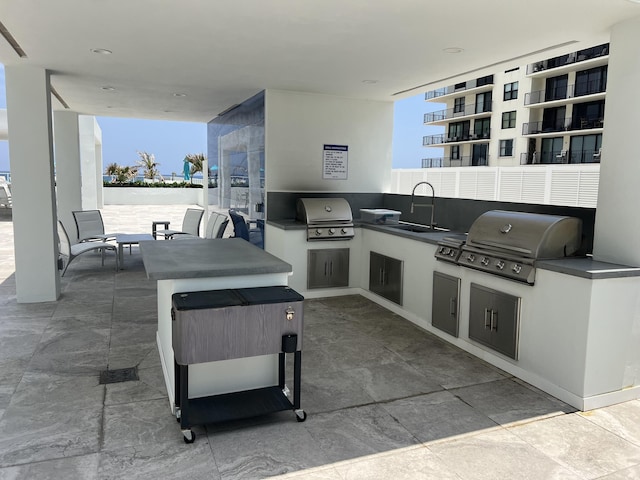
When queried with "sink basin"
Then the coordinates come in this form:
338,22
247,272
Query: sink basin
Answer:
413,228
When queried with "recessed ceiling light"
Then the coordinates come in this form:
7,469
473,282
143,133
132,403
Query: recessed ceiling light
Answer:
101,51
179,94
370,82
452,50
107,88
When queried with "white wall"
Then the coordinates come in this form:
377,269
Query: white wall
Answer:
299,124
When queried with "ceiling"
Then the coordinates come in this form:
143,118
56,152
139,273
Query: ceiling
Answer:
218,53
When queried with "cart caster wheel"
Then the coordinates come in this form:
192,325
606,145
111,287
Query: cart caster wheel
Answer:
189,436
301,415
178,414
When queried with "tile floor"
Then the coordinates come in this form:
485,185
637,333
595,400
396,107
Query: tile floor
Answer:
385,400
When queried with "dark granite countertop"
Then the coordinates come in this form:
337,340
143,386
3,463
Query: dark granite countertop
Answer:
200,258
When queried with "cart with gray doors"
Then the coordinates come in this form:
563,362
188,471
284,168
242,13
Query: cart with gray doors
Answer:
216,325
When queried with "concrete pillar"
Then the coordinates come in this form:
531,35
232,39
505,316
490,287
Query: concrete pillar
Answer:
33,190
617,229
67,156
89,167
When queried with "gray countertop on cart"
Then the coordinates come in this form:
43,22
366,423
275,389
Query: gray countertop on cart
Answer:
201,258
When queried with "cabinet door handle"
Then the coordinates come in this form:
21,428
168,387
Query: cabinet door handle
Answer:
452,306
331,268
487,318
325,269
494,320
381,277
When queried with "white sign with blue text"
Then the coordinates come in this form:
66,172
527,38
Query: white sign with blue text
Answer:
335,162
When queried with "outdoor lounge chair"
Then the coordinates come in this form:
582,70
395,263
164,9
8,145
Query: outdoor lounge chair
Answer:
5,196
90,227
216,226
241,229
69,252
190,224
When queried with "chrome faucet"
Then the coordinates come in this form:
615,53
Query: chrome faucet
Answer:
431,206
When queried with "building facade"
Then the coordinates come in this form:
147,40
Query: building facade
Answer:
547,112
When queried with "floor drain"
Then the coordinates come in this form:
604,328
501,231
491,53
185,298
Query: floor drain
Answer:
119,375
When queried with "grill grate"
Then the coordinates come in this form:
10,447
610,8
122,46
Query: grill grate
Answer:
119,375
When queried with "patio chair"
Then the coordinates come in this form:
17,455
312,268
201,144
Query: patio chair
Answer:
90,227
216,226
5,196
70,252
242,230
190,224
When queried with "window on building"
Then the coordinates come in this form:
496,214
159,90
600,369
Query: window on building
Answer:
588,115
509,119
488,80
483,102
458,105
506,148
556,88
455,152
591,81
482,128
585,148
510,91
458,131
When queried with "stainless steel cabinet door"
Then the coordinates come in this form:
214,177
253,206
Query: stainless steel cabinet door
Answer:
444,305
385,277
327,267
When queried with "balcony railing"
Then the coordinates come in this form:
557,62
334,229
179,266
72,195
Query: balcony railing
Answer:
565,125
460,87
472,109
464,137
573,57
464,161
565,92
560,156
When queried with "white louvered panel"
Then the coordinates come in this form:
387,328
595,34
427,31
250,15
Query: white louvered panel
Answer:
486,186
434,177
564,188
588,191
404,185
468,184
448,184
510,186
395,181
533,186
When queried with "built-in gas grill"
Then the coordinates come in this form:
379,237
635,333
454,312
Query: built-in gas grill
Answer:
509,243
326,218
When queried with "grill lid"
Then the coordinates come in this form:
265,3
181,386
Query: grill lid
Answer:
317,211
527,235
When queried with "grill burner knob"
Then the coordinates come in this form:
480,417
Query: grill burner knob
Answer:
500,264
517,268
343,231
484,261
446,250
332,231
471,258
318,232
452,253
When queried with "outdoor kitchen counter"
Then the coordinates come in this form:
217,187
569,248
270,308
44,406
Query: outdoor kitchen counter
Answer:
181,266
198,258
587,267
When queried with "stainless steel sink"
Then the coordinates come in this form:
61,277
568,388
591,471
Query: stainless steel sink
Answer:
411,227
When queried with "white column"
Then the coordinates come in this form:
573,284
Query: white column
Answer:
88,162
33,191
67,156
617,228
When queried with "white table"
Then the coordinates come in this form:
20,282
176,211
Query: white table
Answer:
123,239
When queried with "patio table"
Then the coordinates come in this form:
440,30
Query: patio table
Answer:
123,239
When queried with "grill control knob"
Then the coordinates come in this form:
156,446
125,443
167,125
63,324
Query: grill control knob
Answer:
344,231
517,268
452,253
471,258
318,232
446,250
500,264
332,231
484,261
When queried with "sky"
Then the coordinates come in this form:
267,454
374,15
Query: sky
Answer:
169,142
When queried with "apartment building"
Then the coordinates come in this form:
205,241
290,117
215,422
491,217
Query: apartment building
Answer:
547,112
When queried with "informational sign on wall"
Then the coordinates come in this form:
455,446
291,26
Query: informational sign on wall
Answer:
335,162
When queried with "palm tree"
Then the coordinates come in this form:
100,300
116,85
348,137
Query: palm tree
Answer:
197,162
148,162
112,171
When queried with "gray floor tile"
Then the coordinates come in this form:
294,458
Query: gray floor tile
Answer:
498,455
506,401
437,416
576,443
83,467
354,432
143,355
331,391
155,462
150,386
622,419
264,450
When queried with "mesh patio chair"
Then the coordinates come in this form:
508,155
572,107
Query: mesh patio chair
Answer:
70,252
216,226
5,196
190,224
90,227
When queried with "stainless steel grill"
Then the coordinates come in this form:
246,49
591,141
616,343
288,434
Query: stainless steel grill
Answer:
326,218
509,243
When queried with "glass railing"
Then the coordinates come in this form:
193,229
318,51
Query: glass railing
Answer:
573,57
565,92
456,112
567,124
